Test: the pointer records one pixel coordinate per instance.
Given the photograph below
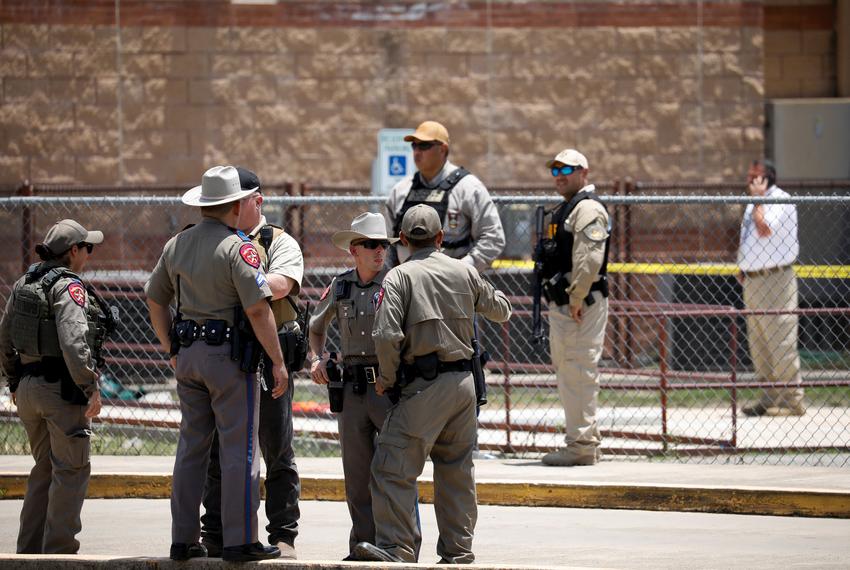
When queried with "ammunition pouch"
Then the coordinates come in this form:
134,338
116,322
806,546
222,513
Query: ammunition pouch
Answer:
214,332
360,375
555,289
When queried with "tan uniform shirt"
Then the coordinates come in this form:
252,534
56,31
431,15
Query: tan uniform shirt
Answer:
471,212
284,258
588,222
426,305
218,271
355,316
69,300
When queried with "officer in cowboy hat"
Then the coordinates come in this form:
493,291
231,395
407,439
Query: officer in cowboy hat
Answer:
51,335
350,299
210,270
422,334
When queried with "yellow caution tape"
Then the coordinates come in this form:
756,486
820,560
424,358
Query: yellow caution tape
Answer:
802,271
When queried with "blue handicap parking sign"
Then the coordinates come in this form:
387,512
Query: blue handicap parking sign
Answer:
398,165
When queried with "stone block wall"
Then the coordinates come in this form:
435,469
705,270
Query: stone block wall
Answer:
800,48
666,91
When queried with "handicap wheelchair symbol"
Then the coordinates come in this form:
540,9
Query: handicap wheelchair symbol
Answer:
398,165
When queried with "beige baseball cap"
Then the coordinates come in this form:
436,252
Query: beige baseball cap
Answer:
421,222
429,131
569,157
66,233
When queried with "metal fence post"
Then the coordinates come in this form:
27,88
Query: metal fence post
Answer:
27,226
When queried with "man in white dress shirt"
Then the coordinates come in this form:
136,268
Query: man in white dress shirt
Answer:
768,248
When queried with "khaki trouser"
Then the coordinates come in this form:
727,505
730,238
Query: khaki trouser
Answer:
576,349
773,338
435,418
58,433
359,423
214,394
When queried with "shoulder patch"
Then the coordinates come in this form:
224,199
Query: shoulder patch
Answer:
378,298
250,255
77,293
595,231
325,293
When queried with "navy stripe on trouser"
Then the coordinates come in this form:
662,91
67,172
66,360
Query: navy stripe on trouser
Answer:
249,384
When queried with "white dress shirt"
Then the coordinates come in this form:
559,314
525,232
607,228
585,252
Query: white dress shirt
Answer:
781,247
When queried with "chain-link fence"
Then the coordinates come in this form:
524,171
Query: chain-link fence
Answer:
677,367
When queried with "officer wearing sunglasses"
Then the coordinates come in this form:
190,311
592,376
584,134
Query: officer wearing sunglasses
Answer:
471,224
51,340
351,300
575,285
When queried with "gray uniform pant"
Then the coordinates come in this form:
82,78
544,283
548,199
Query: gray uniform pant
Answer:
359,423
58,434
576,349
773,338
215,395
435,418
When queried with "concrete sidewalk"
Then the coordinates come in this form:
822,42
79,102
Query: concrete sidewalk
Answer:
737,489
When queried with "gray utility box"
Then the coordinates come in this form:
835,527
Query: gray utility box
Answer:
809,138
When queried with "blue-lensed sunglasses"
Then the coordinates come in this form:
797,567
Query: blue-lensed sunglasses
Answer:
565,170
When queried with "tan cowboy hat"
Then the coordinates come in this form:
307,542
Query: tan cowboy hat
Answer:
219,185
364,226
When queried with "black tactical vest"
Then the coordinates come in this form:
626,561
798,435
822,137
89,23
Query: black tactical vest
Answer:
558,247
437,198
34,323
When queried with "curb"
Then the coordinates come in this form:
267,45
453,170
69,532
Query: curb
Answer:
73,562
682,498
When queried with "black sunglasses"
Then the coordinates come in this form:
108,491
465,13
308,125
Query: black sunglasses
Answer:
423,145
373,243
88,246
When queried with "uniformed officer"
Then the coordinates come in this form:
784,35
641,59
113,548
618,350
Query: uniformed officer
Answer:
51,336
575,284
215,276
350,300
423,333
283,263
471,224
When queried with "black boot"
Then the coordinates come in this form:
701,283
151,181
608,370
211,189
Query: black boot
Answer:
183,551
366,551
249,552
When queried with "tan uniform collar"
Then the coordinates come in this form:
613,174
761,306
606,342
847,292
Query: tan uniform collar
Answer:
421,253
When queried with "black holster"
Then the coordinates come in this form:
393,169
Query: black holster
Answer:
244,346
479,360
54,369
336,386
294,347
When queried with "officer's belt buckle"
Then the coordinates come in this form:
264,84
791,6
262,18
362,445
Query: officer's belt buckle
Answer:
371,374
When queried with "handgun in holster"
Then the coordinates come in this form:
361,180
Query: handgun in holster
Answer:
336,385
244,348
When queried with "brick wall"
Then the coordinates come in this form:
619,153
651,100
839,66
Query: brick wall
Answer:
799,48
298,90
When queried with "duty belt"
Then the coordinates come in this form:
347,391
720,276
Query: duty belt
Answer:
213,332
763,272
36,369
367,373
411,371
